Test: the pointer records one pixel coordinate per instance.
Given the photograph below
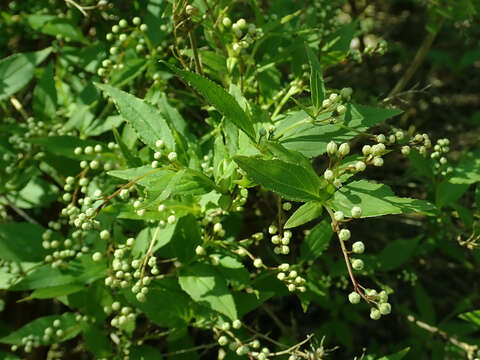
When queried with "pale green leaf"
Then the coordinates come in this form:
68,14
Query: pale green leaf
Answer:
317,241
317,87
219,98
305,213
145,118
375,200
207,286
290,181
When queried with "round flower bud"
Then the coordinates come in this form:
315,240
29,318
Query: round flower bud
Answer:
341,109
377,161
97,256
385,308
200,250
236,324
360,166
356,212
222,340
258,263
326,103
381,138
375,314
346,93
287,206
172,156
405,150
171,219
104,235
332,148
281,276
357,264
338,215
344,234
143,27
136,20
382,296
242,350
378,149
283,267
344,149
366,150
141,297
227,22
354,298
328,175
358,247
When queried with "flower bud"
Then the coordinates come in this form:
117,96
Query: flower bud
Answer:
344,149
346,93
405,150
366,150
357,264
356,212
344,234
375,314
328,175
360,166
358,247
377,161
354,298
332,148
385,308
338,215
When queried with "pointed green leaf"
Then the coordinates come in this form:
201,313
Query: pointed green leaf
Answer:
45,95
289,180
376,200
207,286
219,98
17,70
21,241
144,118
317,241
317,87
305,213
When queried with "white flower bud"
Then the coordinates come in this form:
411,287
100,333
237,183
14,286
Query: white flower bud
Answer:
356,212
405,150
332,148
344,234
258,263
366,150
328,175
338,215
346,93
358,247
375,314
354,298
172,156
385,308
357,264
377,161
360,166
341,109
344,149
381,138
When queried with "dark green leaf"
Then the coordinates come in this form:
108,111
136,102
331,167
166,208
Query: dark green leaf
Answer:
45,95
130,71
17,70
305,213
219,98
207,286
288,180
448,193
145,118
317,241
97,341
37,327
21,241
317,87
376,200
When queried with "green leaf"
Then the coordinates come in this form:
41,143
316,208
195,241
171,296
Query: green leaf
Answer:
219,98
472,317
63,27
396,253
37,193
375,200
166,305
130,71
184,240
288,180
82,270
317,241
54,291
65,146
145,118
311,140
103,125
68,324
422,165
17,70
317,87
397,356
305,213
21,241
144,352
468,170
45,95
206,286
130,157
97,341
447,193
337,45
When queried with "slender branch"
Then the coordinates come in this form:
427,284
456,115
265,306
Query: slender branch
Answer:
21,212
193,44
294,347
417,61
468,348
149,251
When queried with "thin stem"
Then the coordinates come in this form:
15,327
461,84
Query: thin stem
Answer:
417,61
193,44
149,251
21,212
294,347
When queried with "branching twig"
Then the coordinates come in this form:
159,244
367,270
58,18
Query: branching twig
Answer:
468,348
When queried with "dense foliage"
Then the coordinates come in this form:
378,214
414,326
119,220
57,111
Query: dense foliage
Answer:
214,179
